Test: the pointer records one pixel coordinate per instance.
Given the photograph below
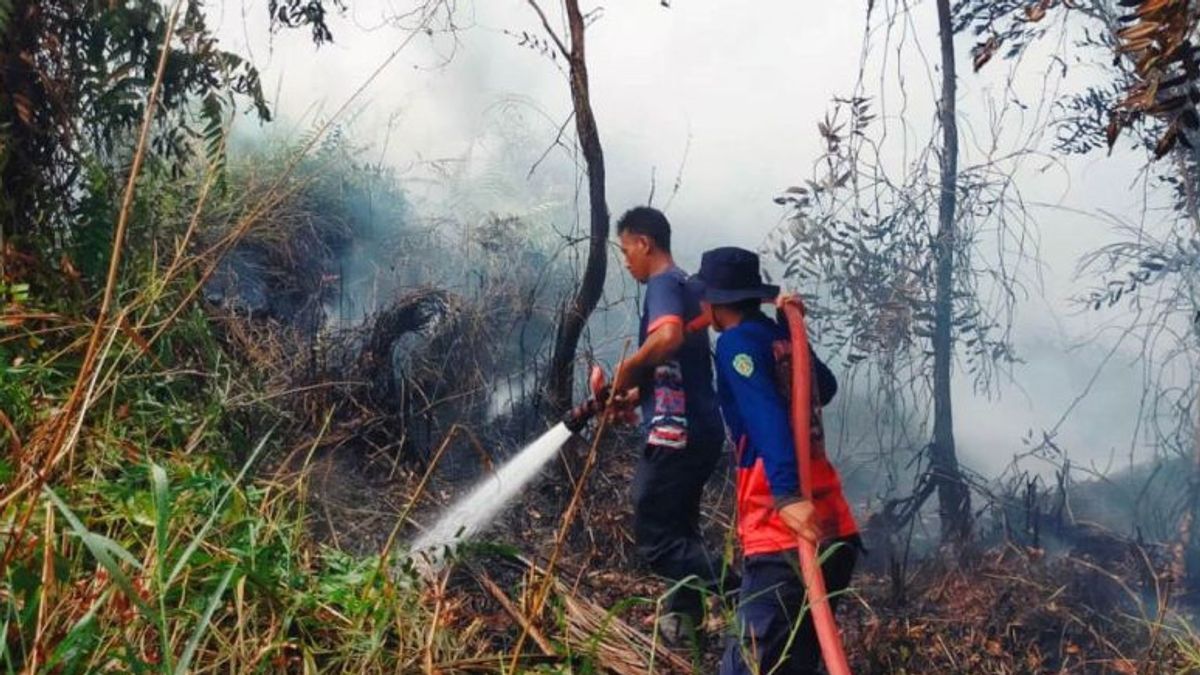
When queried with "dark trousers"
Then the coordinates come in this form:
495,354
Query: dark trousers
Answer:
667,487
772,602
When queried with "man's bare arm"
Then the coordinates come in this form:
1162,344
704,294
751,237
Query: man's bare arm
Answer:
659,347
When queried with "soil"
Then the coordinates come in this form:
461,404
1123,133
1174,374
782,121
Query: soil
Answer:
1007,609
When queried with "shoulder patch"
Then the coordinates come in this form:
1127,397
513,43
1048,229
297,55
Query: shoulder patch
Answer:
743,364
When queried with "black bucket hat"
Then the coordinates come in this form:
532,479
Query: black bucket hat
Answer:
730,274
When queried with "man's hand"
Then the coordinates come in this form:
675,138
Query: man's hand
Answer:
801,517
791,298
620,408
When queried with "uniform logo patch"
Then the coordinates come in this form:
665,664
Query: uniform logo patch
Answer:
744,365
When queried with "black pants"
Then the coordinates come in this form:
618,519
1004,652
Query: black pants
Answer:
770,604
667,487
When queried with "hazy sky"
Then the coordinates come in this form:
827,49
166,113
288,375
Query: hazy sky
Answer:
737,91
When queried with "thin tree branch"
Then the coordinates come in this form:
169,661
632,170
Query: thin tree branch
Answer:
550,31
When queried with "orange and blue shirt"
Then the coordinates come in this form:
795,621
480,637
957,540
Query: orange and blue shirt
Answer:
754,388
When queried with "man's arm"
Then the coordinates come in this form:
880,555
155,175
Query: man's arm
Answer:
764,414
827,384
660,346
664,331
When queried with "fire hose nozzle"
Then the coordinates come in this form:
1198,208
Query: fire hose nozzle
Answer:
577,418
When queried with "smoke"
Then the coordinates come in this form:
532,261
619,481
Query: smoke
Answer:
712,110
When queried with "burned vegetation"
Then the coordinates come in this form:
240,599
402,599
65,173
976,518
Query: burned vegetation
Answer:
240,376
387,331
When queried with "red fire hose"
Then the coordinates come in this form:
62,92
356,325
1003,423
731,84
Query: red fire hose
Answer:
822,614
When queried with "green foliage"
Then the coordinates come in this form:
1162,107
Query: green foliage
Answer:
859,242
74,84
156,548
13,293
148,554
168,554
298,13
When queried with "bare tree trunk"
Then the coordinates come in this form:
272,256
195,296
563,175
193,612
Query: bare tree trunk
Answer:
954,500
1181,574
574,314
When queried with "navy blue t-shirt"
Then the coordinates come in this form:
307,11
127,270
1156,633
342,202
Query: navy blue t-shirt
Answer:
679,404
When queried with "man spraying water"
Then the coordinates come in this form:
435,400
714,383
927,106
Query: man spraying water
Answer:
672,370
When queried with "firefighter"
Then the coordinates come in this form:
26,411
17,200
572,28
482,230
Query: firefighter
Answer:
772,631
672,370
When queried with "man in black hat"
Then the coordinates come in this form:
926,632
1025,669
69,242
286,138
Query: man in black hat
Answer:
672,369
773,632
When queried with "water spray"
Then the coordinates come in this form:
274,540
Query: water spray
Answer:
475,511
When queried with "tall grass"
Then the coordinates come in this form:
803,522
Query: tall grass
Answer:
158,544
179,565
163,552
174,537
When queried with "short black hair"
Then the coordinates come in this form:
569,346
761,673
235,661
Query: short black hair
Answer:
647,221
